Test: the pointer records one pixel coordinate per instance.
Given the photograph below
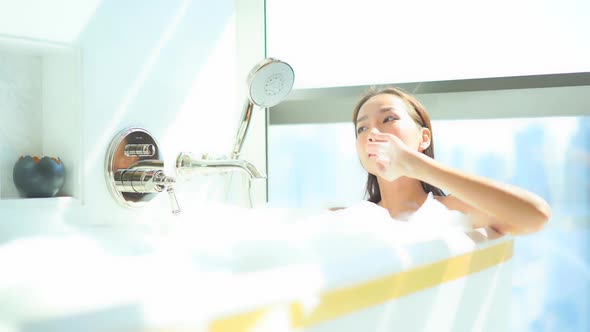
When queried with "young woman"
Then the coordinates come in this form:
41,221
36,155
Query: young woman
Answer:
396,147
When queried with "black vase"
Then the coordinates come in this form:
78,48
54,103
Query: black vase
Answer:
34,177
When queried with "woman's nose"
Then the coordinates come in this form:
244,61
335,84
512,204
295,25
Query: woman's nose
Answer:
371,133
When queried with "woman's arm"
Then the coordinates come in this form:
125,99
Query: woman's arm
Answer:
504,207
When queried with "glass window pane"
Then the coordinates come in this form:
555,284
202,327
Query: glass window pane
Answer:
313,166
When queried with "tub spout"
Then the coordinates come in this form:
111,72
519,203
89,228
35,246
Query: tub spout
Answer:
187,164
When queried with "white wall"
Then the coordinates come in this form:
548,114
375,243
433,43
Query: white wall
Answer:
170,66
20,101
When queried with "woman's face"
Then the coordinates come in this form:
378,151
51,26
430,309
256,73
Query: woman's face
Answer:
386,113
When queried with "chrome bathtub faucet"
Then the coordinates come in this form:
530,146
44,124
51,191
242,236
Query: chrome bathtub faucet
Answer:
188,163
134,170
134,167
269,82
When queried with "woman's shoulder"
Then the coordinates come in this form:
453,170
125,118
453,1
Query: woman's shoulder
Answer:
453,203
362,203
480,218
441,212
360,206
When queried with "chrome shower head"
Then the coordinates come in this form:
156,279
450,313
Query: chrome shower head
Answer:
269,82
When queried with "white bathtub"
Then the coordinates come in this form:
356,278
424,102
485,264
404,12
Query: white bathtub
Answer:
266,271
451,282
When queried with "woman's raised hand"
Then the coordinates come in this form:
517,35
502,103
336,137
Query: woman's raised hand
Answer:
392,156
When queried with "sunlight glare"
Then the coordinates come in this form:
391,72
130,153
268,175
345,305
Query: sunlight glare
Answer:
210,108
135,87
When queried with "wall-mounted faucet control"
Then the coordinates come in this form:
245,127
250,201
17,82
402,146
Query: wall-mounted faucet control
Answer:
142,150
269,83
135,169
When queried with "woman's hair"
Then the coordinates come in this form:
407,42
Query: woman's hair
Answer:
419,116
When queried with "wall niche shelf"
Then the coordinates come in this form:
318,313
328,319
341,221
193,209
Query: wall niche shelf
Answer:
61,202
41,110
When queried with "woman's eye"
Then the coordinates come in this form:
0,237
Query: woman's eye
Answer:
389,118
360,130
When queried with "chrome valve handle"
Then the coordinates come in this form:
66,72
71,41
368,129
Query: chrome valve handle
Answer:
173,202
135,170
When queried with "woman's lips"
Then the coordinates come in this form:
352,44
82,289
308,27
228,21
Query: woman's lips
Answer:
372,155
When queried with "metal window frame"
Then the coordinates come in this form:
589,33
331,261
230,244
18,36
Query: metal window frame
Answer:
565,94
